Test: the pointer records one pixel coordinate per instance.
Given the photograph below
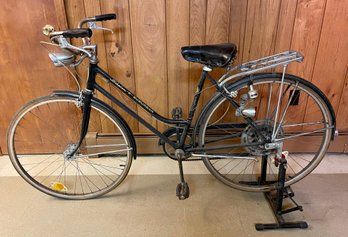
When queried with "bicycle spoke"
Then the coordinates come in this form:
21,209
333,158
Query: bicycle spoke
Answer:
99,171
284,112
46,167
292,126
302,134
55,124
281,99
99,165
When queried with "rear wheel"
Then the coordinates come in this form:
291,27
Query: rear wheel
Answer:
303,127
43,135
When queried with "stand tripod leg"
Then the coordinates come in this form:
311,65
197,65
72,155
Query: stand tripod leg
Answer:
263,170
277,203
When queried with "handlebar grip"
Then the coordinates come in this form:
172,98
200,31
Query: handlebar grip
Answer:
105,17
77,33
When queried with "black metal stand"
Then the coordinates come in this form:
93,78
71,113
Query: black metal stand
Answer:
276,198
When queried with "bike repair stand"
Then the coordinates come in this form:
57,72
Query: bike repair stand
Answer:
276,201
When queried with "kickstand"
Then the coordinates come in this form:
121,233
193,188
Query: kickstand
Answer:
276,202
182,189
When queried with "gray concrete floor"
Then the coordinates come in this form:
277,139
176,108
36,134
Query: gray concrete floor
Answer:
146,205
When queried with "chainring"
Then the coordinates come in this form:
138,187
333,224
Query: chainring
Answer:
167,149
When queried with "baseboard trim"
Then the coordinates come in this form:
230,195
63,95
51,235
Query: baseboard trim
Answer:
148,145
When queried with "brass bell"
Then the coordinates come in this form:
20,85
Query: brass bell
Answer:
47,30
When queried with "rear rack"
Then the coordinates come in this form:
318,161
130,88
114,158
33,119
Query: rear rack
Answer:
281,59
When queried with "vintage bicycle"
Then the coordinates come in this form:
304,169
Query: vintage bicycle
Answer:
73,145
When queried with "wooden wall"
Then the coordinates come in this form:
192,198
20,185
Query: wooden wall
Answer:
144,52
25,69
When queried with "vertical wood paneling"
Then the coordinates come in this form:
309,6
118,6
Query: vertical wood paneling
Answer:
306,33
217,21
178,35
75,11
238,17
285,25
149,49
261,28
331,64
342,121
198,9
26,71
120,54
260,36
217,31
305,39
62,20
144,52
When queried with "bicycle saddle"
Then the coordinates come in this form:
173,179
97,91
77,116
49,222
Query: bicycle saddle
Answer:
217,55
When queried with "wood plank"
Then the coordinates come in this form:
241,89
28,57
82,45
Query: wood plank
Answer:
305,39
217,31
119,54
75,11
306,34
331,60
260,39
342,114
238,16
217,21
178,35
149,49
60,14
25,69
198,9
285,25
261,28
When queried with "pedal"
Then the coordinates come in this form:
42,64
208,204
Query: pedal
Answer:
182,191
177,113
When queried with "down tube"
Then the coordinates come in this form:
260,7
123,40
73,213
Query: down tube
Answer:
134,115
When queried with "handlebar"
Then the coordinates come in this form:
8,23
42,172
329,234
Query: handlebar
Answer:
77,33
103,17
106,17
85,50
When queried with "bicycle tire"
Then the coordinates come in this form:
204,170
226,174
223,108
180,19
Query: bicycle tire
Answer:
46,128
247,176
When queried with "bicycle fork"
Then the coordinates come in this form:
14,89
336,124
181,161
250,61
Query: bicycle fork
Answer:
84,101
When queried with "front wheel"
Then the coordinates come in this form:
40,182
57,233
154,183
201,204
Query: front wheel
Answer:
302,124
42,138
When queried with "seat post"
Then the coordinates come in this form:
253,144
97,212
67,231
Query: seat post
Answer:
194,103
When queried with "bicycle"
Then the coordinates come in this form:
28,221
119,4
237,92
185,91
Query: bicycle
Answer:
240,133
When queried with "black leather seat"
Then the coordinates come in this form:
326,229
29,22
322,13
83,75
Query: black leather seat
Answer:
217,55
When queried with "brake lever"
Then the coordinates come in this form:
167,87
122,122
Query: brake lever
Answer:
93,25
64,44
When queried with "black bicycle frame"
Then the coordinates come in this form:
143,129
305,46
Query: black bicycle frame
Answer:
92,85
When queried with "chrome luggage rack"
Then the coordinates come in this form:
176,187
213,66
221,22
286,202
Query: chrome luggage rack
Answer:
281,59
